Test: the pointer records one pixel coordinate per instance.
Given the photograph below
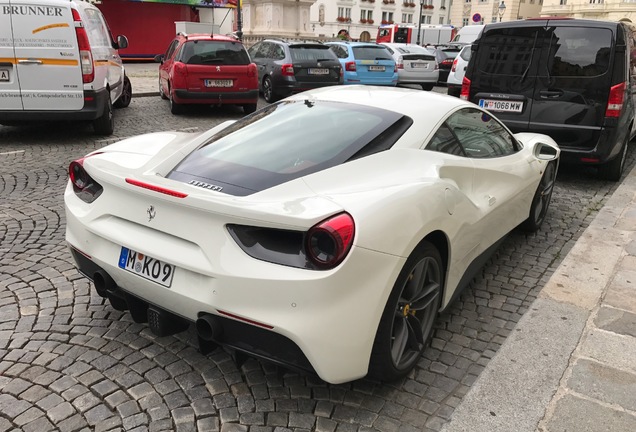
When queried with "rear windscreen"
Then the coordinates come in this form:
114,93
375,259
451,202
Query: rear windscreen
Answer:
578,52
288,140
215,53
371,52
507,51
311,52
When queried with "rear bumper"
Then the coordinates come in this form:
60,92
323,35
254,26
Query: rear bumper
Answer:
286,88
208,97
94,102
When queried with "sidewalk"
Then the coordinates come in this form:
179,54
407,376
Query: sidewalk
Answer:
570,364
144,78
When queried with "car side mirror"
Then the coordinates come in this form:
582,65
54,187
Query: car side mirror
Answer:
545,152
122,42
159,58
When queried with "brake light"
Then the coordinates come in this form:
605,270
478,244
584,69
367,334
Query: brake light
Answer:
615,100
400,63
86,56
447,62
156,188
350,66
454,68
251,70
288,69
395,67
465,93
329,242
84,186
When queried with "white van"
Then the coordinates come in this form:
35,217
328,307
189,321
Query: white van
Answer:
467,34
58,61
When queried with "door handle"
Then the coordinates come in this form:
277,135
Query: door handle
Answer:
30,61
491,200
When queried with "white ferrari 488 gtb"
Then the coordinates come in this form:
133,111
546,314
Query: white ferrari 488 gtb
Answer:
324,232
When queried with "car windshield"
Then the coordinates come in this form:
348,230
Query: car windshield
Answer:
288,140
214,53
311,52
370,52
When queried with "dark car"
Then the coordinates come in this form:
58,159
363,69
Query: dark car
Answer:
207,69
445,55
570,79
287,67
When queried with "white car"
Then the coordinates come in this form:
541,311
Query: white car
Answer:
458,70
325,231
415,64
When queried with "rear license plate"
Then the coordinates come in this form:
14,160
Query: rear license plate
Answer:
419,65
376,68
218,83
4,75
501,106
146,267
316,71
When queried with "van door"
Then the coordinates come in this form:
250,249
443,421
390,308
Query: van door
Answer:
573,84
47,56
505,72
10,98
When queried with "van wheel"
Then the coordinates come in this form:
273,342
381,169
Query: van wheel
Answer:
541,200
407,321
175,108
105,125
126,95
249,108
161,92
613,170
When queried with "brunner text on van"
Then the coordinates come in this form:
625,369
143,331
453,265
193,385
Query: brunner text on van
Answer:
32,10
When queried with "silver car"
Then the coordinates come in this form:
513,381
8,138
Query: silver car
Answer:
415,64
458,70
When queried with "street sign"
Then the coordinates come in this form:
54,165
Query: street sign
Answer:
476,18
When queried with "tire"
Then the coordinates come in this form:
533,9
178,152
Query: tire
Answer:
268,90
406,324
541,200
249,108
126,95
105,125
427,87
613,170
175,108
161,92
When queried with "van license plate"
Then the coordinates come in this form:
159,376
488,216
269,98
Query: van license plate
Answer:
376,68
318,71
218,83
4,75
146,267
501,106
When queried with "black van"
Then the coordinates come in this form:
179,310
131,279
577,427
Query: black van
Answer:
571,79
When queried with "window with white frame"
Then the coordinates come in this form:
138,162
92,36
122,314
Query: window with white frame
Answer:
441,20
344,12
442,4
464,21
407,18
387,16
366,14
494,19
563,2
427,20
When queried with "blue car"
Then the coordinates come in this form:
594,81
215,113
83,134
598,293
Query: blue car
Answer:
365,63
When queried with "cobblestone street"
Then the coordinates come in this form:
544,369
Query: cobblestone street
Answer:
70,362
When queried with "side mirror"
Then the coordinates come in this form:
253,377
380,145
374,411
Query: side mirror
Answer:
159,58
546,152
122,42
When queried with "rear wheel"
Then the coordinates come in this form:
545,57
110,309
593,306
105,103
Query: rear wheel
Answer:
105,125
126,94
407,321
249,108
175,108
613,170
427,87
268,90
541,200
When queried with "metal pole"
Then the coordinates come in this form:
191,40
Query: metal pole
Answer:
239,20
419,22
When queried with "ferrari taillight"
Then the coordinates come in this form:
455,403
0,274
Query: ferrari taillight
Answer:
615,100
465,93
329,242
84,186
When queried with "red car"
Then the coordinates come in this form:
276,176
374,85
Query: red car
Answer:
207,69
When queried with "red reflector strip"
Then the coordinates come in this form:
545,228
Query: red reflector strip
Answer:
249,321
156,188
80,252
589,160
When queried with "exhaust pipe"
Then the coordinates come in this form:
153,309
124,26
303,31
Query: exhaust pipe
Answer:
209,328
104,284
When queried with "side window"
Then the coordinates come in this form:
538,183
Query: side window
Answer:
480,135
339,51
279,53
254,51
445,142
98,35
266,50
579,51
171,50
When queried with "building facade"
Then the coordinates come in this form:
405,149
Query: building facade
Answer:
468,12
608,10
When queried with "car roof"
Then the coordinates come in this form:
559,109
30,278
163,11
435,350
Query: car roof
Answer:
416,104
354,44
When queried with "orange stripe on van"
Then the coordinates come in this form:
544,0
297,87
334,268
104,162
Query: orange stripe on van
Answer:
7,60
54,62
50,26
